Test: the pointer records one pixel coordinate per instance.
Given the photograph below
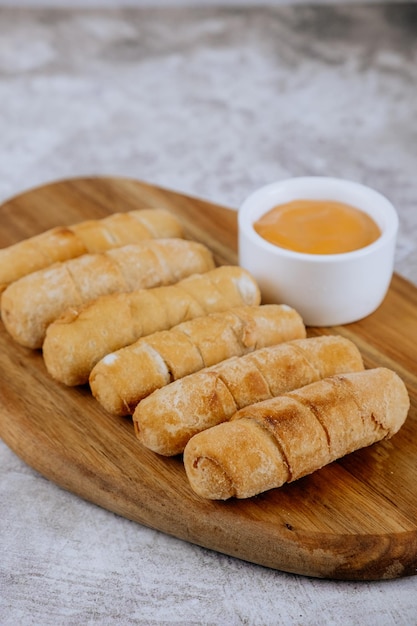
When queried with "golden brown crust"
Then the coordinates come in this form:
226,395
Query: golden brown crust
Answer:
31,255
123,378
285,438
242,452
91,236
78,340
33,302
166,419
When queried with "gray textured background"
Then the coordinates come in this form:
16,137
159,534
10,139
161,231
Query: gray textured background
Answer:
213,102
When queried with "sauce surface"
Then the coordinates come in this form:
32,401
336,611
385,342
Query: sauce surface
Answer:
317,227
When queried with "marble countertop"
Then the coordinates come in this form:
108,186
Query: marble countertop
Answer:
213,102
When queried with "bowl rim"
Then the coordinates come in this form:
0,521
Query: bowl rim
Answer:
270,190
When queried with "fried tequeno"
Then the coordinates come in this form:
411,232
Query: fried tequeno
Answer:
90,236
123,378
166,420
33,302
283,439
77,341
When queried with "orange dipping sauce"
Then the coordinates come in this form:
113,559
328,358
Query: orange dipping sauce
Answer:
317,227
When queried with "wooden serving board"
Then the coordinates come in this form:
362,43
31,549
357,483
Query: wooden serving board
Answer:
354,519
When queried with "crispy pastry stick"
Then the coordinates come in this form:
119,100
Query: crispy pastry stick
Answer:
31,303
63,243
123,378
283,439
169,417
77,341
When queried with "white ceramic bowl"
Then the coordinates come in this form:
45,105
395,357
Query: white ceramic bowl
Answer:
326,289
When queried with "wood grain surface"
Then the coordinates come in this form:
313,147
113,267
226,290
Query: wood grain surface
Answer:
355,519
